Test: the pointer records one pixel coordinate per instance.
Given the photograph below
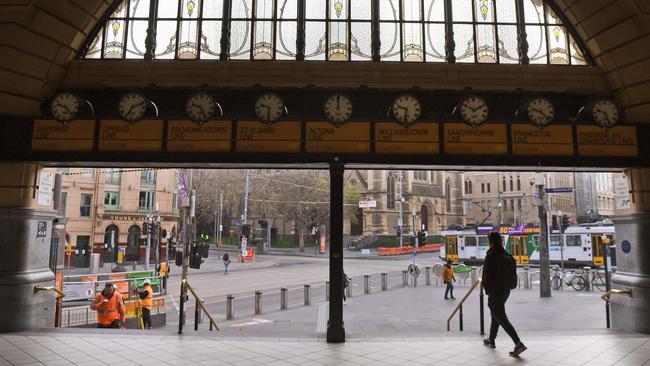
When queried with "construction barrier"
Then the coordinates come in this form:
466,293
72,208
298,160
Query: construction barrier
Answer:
249,257
408,249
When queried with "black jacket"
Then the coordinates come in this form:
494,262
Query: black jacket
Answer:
491,280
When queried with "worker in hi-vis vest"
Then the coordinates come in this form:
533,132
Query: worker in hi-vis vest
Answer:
110,308
146,302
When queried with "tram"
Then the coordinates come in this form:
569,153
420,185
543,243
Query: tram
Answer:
583,245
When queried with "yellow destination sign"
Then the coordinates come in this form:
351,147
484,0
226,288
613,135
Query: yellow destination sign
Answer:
555,140
117,135
52,135
615,141
488,139
419,138
189,136
324,137
279,137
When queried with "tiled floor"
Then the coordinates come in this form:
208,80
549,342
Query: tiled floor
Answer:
102,347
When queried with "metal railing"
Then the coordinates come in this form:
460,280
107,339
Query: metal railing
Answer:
606,295
77,316
459,308
198,308
59,296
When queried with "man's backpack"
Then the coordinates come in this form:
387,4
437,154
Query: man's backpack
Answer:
507,271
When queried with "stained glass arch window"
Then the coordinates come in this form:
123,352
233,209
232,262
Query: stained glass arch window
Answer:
461,31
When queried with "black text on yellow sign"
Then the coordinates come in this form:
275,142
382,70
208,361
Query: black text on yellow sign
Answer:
419,138
615,141
323,137
279,137
52,135
555,140
117,135
488,139
210,136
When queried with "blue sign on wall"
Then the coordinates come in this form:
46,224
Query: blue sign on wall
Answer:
626,246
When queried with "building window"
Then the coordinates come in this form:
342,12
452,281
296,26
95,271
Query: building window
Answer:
390,188
512,186
112,176
420,175
518,184
448,195
63,204
86,202
148,178
174,203
482,187
488,188
111,201
484,31
64,171
146,200
470,187
87,173
519,204
466,187
503,180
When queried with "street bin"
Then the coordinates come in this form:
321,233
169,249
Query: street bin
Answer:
94,263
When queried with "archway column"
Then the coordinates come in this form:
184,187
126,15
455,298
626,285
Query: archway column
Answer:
335,329
633,268
25,250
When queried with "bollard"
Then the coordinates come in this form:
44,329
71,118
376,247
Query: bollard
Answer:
134,265
405,279
366,284
258,302
473,275
427,278
284,298
526,277
197,314
384,281
307,294
327,290
230,308
587,277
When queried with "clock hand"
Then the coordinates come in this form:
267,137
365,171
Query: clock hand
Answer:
203,114
64,106
337,102
133,106
540,112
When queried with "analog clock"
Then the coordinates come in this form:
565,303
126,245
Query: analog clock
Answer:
338,108
132,107
406,109
200,107
605,113
269,107
65,107
540,111
474,110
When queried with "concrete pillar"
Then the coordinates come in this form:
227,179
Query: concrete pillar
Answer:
335,329
25,235
633,225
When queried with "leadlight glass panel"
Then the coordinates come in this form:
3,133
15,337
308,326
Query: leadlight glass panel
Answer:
390,42
137,33
508,53
288,9
435,46
95,47
316,9
462,10
240,40
361,41
210,39
486,45
165,39
286,40
188,32
464,39
536,44
557,45
434,10
506,11
360,9
314,41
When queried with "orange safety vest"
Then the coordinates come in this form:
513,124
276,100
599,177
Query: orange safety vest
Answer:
109,312
147,302
447,275
163,269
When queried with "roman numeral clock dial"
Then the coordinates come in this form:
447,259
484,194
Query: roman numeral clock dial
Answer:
338,108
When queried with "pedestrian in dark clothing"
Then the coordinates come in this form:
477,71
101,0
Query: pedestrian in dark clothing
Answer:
498,291
226,262
346,283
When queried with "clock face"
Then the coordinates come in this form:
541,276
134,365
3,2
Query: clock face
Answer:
132,107
605,113
65,107
474,110
269,107
406,109
200,107
540,111
338,108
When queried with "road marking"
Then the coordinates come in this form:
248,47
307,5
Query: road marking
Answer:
254,321
323,310
174,302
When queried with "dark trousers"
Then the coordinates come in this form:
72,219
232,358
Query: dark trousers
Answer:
146,318
114,325
449,290
497,304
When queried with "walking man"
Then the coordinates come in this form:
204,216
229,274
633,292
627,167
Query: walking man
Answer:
110,308
449,279
499,277
146,302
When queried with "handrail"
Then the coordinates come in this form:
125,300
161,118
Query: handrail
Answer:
459,307
199,304
606,295
59,293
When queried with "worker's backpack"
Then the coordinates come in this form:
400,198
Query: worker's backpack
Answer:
507,271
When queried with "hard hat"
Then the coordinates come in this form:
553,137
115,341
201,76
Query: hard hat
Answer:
146,282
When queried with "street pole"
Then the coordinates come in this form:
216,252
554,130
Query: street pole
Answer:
400,175
186,222
415,234
559,220
147,250
220,219
544,260
246,187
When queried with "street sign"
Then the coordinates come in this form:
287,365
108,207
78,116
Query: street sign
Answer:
558,190
368,204
622,193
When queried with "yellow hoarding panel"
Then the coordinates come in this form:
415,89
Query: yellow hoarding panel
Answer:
351,137
209,136
419,138
52,135
488,139
279,137
115,135
555,140
615,141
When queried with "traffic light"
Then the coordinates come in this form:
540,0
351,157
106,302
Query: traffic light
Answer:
263,223
145,228
246,230
399,232
421,237
565,222
554,222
